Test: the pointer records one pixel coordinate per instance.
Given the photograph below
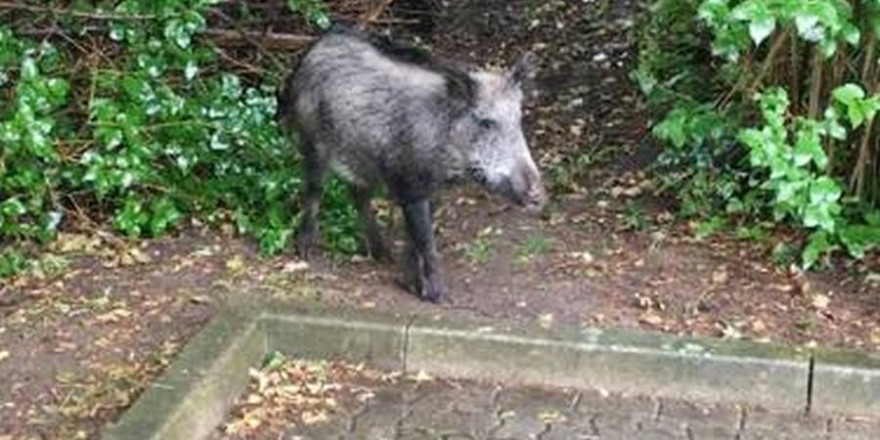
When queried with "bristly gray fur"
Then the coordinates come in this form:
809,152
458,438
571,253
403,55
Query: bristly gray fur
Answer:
379,113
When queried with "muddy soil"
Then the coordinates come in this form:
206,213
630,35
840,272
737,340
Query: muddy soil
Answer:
77,344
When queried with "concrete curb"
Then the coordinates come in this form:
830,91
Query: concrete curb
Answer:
623,362
193,397
845,382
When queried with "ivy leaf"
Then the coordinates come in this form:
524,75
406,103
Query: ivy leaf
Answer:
829,47
849,93
672,130
826,190
851,97
132,217
817,246
191,70
808,27
822,206
851,34
117,32
29,68
12,207
176,31
164,215
808,146
714,12
858,239
761,29
832,125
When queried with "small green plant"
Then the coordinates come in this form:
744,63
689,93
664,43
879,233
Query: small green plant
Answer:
533,246
784,254
634,217
315,11
12,263
565,175
756,233
708,227
479,250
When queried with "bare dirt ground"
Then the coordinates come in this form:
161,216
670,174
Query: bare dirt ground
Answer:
82,336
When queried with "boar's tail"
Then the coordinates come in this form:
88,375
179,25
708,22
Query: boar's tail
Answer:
287,93
286,99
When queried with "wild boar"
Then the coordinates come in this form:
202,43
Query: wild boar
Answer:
380,113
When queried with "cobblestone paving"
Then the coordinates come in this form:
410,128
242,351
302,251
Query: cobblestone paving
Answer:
443,410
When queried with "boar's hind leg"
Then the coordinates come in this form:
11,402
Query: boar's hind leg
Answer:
422,265
375,244
313,173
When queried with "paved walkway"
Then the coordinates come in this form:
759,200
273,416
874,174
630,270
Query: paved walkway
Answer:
442,410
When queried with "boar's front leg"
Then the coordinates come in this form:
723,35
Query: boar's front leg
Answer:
422,265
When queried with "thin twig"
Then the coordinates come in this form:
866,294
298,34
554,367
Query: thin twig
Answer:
14,6
249,67
373,15
816,84
256,44
764,69
268,40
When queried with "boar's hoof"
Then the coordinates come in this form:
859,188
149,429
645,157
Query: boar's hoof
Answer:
305,246
433,291
381,254
426,291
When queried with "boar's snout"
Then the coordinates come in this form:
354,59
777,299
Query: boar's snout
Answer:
526,188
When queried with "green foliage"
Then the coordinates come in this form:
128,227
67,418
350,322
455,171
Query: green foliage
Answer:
12,263
314,10
796,178
734,160
158,133
479,250
635,218
532,247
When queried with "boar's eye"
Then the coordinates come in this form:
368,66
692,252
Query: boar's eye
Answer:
487,124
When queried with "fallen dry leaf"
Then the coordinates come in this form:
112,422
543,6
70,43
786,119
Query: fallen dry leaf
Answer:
584,257
68,243
235,264
549,417
729,331
758,326
651,318
720,276
421,377
820,302
295,266
308,390
133,256
875,336
314,417
114,315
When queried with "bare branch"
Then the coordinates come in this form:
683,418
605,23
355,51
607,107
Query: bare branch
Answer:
15,6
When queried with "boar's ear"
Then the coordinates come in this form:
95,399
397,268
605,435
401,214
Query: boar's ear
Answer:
525,69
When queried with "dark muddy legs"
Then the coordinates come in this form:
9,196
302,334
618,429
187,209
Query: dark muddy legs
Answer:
422,268
375,244
314,178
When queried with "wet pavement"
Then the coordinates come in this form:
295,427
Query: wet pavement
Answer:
449,410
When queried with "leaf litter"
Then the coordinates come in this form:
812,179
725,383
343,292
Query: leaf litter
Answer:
294,392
